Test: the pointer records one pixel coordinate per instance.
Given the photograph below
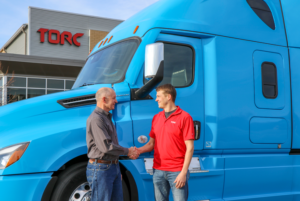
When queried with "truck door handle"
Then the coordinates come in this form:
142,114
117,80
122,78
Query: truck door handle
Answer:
197,129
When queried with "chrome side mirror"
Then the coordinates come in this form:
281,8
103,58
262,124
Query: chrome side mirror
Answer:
154,68
153,57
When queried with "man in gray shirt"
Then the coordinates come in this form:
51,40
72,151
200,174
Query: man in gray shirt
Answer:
103,170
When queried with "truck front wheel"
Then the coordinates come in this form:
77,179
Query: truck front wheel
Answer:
72,185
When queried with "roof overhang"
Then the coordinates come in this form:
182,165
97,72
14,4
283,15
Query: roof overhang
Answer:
16,34
43,66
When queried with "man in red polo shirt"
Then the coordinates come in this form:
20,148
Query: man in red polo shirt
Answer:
172,137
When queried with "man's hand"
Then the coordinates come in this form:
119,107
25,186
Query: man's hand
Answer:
133,153
180,180
138,150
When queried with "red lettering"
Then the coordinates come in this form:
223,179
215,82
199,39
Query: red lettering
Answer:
65,35
59,38
52,31
42,34
75,38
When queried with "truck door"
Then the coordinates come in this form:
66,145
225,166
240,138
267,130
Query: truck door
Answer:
183,69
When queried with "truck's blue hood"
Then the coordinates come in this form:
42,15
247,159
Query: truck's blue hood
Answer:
33,111
54,131
14,112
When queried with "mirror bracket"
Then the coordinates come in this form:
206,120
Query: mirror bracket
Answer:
134,97
151,84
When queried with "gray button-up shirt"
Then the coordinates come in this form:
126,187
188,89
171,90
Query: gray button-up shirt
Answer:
101,137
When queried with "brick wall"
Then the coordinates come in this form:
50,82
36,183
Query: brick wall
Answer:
95,37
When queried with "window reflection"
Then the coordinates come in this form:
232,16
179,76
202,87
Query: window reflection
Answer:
49,91
55,84
15,94
26,87
178,65
1,96
69,84
108,65
35,92
36,83
16,81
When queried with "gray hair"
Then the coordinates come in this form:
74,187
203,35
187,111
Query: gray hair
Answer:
103,92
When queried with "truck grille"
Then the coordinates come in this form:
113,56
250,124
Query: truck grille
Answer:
78,101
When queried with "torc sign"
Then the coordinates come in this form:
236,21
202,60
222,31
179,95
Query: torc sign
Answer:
59,37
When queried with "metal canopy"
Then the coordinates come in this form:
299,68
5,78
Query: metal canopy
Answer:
43,66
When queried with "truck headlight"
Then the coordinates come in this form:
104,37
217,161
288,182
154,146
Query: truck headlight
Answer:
10,155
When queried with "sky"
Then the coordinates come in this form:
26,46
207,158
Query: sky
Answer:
14,13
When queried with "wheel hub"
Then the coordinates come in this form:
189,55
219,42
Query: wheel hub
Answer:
81,193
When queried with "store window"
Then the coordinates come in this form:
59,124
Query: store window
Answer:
1,81
1,90
15,94
69,84
1,97
55,84
20,88
31,93
16,81
51,91
36,83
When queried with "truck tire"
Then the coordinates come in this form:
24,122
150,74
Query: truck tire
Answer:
72,185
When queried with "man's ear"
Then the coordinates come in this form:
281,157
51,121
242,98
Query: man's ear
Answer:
169,96
104,99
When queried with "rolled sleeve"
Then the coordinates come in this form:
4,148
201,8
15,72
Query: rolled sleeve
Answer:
103,140
188,129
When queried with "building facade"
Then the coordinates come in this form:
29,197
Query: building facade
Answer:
46,55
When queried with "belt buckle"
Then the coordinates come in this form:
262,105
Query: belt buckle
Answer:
115,161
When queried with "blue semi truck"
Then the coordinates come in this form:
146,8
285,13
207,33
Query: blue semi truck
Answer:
236,67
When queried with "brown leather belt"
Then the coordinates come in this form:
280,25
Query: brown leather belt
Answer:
103,161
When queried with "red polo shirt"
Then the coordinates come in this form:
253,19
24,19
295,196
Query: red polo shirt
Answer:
169,135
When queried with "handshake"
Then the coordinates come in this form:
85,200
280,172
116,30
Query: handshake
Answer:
133,153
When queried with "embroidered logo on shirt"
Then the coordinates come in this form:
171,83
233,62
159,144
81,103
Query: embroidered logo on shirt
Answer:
173,122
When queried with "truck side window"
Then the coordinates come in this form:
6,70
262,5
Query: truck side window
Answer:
263,11
179,65
269,80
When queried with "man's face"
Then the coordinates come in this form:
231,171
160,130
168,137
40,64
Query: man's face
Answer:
162,99
111,100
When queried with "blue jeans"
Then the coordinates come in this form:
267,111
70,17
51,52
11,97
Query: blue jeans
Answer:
164,181
105,181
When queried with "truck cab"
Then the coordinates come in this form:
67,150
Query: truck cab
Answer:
234,67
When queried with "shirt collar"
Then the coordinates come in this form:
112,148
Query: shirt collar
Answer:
177,111
100,110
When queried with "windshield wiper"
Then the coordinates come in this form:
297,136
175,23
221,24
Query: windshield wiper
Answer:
85,84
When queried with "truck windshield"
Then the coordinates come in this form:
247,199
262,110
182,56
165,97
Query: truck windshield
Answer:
108,65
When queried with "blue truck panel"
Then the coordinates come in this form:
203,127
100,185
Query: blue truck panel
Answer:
290,10
255,177
259,57
226,18
230,93
295,73
268,130
24,187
